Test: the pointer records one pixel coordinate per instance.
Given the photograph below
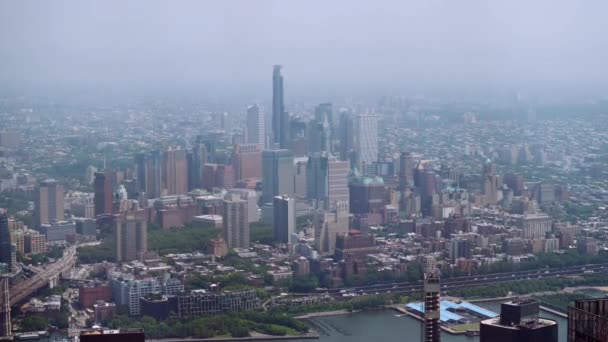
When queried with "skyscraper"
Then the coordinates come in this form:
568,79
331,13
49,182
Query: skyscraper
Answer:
406,170
284,218
431,289
247,161
346,135
277,174
196,160
103,193
154,174
5,308
366,139
588,320
328,225
175,171
5,243
236,221
256,132
519,321
327,179
280,118
49,202
131,235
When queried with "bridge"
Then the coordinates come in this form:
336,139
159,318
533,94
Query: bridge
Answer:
49,275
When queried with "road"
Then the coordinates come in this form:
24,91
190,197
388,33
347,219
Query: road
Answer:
29,286
468,281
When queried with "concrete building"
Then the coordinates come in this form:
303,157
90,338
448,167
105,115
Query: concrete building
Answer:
5,308
202,302
247,161
236,221
103,193
366,139
126,290
534,225
175,172
588,320
256,126
519,321
58,231
301,177
49,202
89,294
284,219
277,175
327,179
328,225
131,238
5,242
431,290
252,202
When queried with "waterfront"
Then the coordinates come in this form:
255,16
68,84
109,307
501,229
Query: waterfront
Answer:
386,326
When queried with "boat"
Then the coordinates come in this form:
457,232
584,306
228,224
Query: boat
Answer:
471,332
27,336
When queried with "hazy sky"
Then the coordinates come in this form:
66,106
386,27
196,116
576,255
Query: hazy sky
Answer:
321,43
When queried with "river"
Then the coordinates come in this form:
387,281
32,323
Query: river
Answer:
384,326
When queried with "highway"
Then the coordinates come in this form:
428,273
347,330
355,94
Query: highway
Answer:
468,281
50,272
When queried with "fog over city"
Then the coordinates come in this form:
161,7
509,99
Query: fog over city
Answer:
324,46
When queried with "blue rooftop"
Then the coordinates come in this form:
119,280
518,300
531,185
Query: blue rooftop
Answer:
448,316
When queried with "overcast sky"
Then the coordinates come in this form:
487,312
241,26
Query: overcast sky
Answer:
320,43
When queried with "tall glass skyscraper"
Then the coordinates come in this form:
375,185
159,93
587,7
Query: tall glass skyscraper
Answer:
280,118
5,242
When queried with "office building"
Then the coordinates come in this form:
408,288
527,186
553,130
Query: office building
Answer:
5,243
366,194
103,193
346,137
588,320
175,171
154,174
366,139
131,238
202,302
58,231
256,126
319,130
406,170
252,202
300,177
5,308
115,335
328,224
91,293
247,161
519,321
280,118
431,291
126,290
277,174
197,160
460,248
236,221
284,219
534,226
49,202
327,179
587,246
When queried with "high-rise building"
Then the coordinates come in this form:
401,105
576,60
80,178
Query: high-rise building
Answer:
588,320
126,290
346,135
154,174
5,242
366,139
366,194
328,224
256,132
460,248
431,289
131,238
247,161
5,308
406,170
236,221
518,321
280,118
197,158
175,171
103,193
300,177
327,179
277,174
252,202
49,202
284,218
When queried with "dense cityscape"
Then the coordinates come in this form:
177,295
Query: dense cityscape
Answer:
296,212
